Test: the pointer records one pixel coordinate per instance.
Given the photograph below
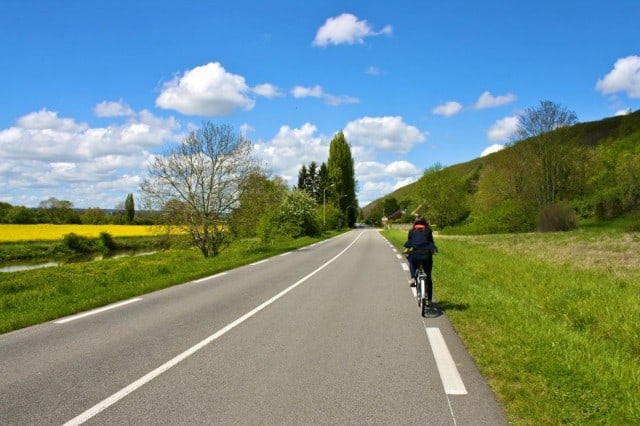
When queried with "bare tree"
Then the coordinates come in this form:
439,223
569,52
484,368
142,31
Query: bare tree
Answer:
198,183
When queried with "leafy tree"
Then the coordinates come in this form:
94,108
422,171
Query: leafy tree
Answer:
549,152
58,211
20,215
129,208
341,175
260,196
202,180
93,216
446,197
296,216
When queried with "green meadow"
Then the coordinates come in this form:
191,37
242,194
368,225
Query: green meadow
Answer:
552,320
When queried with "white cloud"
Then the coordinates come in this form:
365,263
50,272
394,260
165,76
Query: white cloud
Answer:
317,92
625,111
346,29
491,149
292,147
113,109
377,179
267,90
487,100
371,70
386,133
503,129
448,109
207,90
625,77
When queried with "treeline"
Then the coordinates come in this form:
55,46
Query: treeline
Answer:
546,180
60,212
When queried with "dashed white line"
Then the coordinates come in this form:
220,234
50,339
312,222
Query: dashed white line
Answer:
210,277
449,375
97,311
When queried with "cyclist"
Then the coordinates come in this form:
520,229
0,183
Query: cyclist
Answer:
420,242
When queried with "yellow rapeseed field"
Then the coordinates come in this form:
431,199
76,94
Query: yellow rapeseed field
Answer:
57,232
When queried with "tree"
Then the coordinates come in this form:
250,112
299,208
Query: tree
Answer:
260,196
341,176
202,181
129,208
550,155
59,211
295,217
303,175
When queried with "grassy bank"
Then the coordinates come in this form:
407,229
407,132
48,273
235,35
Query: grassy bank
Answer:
36,296
552,320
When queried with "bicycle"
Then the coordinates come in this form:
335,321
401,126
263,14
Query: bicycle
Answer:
421,284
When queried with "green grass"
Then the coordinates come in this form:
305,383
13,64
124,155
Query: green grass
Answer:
557,338
36,296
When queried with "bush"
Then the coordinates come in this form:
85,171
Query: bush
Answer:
608,206
557,217
107,242
78,243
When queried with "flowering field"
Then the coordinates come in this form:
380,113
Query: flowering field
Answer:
57,232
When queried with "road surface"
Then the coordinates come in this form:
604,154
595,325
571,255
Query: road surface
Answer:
327,334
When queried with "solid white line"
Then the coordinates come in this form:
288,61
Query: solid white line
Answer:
210,277
97,311
102,405
259,262
285,253
449,375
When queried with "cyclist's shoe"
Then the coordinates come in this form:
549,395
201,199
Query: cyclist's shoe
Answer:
429,303
412,282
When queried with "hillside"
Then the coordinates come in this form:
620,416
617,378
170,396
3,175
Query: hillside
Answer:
602,167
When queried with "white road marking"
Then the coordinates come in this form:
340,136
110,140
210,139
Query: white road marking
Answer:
210,277
97,311
285,253
104,404
405,267
259,262
449,375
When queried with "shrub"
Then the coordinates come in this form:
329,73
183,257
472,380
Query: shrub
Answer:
608,205
557,217
77,243
107,242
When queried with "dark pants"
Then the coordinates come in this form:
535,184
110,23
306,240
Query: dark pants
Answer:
427,264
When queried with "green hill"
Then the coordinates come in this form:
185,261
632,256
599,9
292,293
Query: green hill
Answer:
590,169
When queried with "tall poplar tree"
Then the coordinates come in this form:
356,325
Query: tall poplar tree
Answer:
129,207
341,176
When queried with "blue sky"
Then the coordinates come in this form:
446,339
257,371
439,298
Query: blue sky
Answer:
91,90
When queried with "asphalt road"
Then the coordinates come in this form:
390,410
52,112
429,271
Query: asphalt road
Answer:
327,334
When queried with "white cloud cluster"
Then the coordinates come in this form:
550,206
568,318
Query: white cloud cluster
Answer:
485,101
388,133
64,157
368,137
346,29
625,77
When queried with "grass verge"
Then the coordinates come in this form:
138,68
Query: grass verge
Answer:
557,339
36,296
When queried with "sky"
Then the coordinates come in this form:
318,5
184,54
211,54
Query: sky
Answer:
91,90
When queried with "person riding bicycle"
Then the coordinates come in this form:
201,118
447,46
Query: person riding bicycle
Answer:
420,242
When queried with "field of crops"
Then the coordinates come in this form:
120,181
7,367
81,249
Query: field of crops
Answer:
43,232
